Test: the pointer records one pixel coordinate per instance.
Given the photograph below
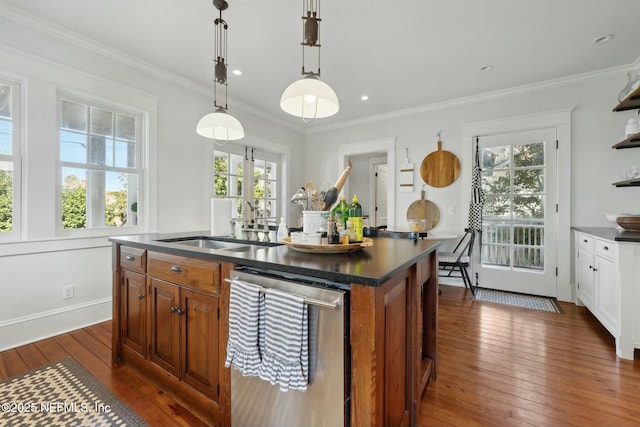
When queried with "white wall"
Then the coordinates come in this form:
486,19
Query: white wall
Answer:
594,164
34,269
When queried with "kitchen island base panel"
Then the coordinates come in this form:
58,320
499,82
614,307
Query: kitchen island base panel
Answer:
391,333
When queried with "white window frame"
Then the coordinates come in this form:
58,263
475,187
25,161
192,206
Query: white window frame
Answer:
141,144
16,159
249,155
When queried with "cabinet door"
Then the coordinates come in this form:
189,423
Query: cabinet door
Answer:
199,366
165,325
134,312
608,303
586,279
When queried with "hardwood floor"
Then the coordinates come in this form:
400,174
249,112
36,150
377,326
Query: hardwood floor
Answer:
497,365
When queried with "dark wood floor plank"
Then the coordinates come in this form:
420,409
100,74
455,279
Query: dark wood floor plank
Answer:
32,356
52,350
498,366
11,364
551,369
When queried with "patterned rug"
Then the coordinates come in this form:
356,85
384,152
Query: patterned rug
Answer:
520,300
62,394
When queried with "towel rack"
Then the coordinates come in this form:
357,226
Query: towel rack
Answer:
312,301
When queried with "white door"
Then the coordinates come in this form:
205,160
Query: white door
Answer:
518,251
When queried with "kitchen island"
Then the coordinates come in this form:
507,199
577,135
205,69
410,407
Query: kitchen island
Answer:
165,293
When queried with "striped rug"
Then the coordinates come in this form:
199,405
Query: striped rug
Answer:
533,302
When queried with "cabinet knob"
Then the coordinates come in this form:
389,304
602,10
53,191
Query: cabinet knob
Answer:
176,268
140,296
173,309
585,240
130,258
179,311
595,269
606,248
590,267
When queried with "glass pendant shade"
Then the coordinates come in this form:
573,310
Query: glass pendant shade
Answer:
309,98
220,125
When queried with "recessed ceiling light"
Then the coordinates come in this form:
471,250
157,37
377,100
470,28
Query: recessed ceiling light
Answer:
486,67
237,72
603,39
364,97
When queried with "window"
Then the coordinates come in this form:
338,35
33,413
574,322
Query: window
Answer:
99,166
9,161
251,179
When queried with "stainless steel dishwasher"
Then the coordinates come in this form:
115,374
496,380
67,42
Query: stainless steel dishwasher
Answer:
255,402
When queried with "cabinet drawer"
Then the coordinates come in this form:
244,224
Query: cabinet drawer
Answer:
585,241
133,259
607,248
193,272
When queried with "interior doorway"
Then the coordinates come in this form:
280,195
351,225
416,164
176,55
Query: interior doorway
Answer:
362,154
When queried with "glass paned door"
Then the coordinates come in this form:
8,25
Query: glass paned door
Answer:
519,217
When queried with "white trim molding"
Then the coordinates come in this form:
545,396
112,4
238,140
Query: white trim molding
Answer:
38,326
382,145
561,120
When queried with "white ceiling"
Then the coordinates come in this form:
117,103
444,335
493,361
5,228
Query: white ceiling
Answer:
403,54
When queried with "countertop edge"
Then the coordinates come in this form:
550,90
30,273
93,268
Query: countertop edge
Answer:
150,242
610,233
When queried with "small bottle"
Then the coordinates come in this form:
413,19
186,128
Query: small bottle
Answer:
355,217
283,231
334,235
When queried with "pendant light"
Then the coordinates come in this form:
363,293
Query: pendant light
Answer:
220,125
309,97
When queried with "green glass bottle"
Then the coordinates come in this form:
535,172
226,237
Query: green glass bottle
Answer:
341,213
355,216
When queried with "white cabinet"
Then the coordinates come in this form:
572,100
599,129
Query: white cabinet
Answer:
586,281
598,279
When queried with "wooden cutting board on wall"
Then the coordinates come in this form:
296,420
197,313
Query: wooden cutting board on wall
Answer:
424,209
440,168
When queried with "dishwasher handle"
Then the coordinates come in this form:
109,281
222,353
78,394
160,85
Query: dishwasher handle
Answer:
311,301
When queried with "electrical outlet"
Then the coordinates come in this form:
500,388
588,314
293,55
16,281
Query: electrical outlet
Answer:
67,292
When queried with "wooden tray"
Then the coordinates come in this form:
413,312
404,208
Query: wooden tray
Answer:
328,249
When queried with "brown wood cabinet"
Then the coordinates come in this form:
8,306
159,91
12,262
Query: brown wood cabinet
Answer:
134,311
184,334
393,346
168,323
171,319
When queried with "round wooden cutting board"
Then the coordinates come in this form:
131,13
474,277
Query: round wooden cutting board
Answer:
440,168
424,209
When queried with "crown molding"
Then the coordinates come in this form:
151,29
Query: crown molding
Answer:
498,94
76,39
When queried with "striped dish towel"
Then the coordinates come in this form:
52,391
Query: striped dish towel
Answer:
242,347
285,349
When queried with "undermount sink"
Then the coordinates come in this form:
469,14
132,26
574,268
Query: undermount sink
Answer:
224,244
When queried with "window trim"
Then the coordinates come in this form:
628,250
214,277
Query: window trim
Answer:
248,154
17,97
142,141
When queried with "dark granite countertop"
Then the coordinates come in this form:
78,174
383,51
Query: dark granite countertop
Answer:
370,266
611,233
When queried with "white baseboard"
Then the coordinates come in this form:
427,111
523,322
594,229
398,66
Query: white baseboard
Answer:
28,329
